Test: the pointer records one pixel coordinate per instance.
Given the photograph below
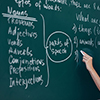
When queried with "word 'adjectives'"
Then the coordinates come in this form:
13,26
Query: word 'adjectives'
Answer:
18,33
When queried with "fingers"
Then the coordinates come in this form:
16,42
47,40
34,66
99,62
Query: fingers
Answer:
86,57
85,54
84,60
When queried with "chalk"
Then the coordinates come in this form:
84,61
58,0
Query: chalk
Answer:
81,52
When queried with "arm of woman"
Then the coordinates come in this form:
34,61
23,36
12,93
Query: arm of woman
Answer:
89,66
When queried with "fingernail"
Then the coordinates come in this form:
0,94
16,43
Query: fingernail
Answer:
82,52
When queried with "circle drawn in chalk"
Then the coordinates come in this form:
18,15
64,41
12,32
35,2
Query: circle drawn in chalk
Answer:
71,47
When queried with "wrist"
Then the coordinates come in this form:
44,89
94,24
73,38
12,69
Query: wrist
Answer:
91,69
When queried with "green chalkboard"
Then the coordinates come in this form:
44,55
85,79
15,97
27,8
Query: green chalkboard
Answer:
40,42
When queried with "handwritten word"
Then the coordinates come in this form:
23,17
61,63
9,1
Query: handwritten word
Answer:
81,28
51,7
16,12
16,32
95,21
25,82
55,43
23,52
19,70
58,51
80,17
57,1
38,4
87,42
96,6
21,3
87,6
31,62
87,30
76,4
17,42
21,22
56,7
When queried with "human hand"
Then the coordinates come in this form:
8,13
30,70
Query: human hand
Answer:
87,60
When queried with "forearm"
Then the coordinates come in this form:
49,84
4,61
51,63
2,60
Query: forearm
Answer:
88,61
95,77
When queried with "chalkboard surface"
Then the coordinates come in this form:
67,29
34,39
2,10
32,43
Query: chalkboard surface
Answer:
40,41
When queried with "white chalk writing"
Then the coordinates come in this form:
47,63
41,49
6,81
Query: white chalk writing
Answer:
21,3
25,82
